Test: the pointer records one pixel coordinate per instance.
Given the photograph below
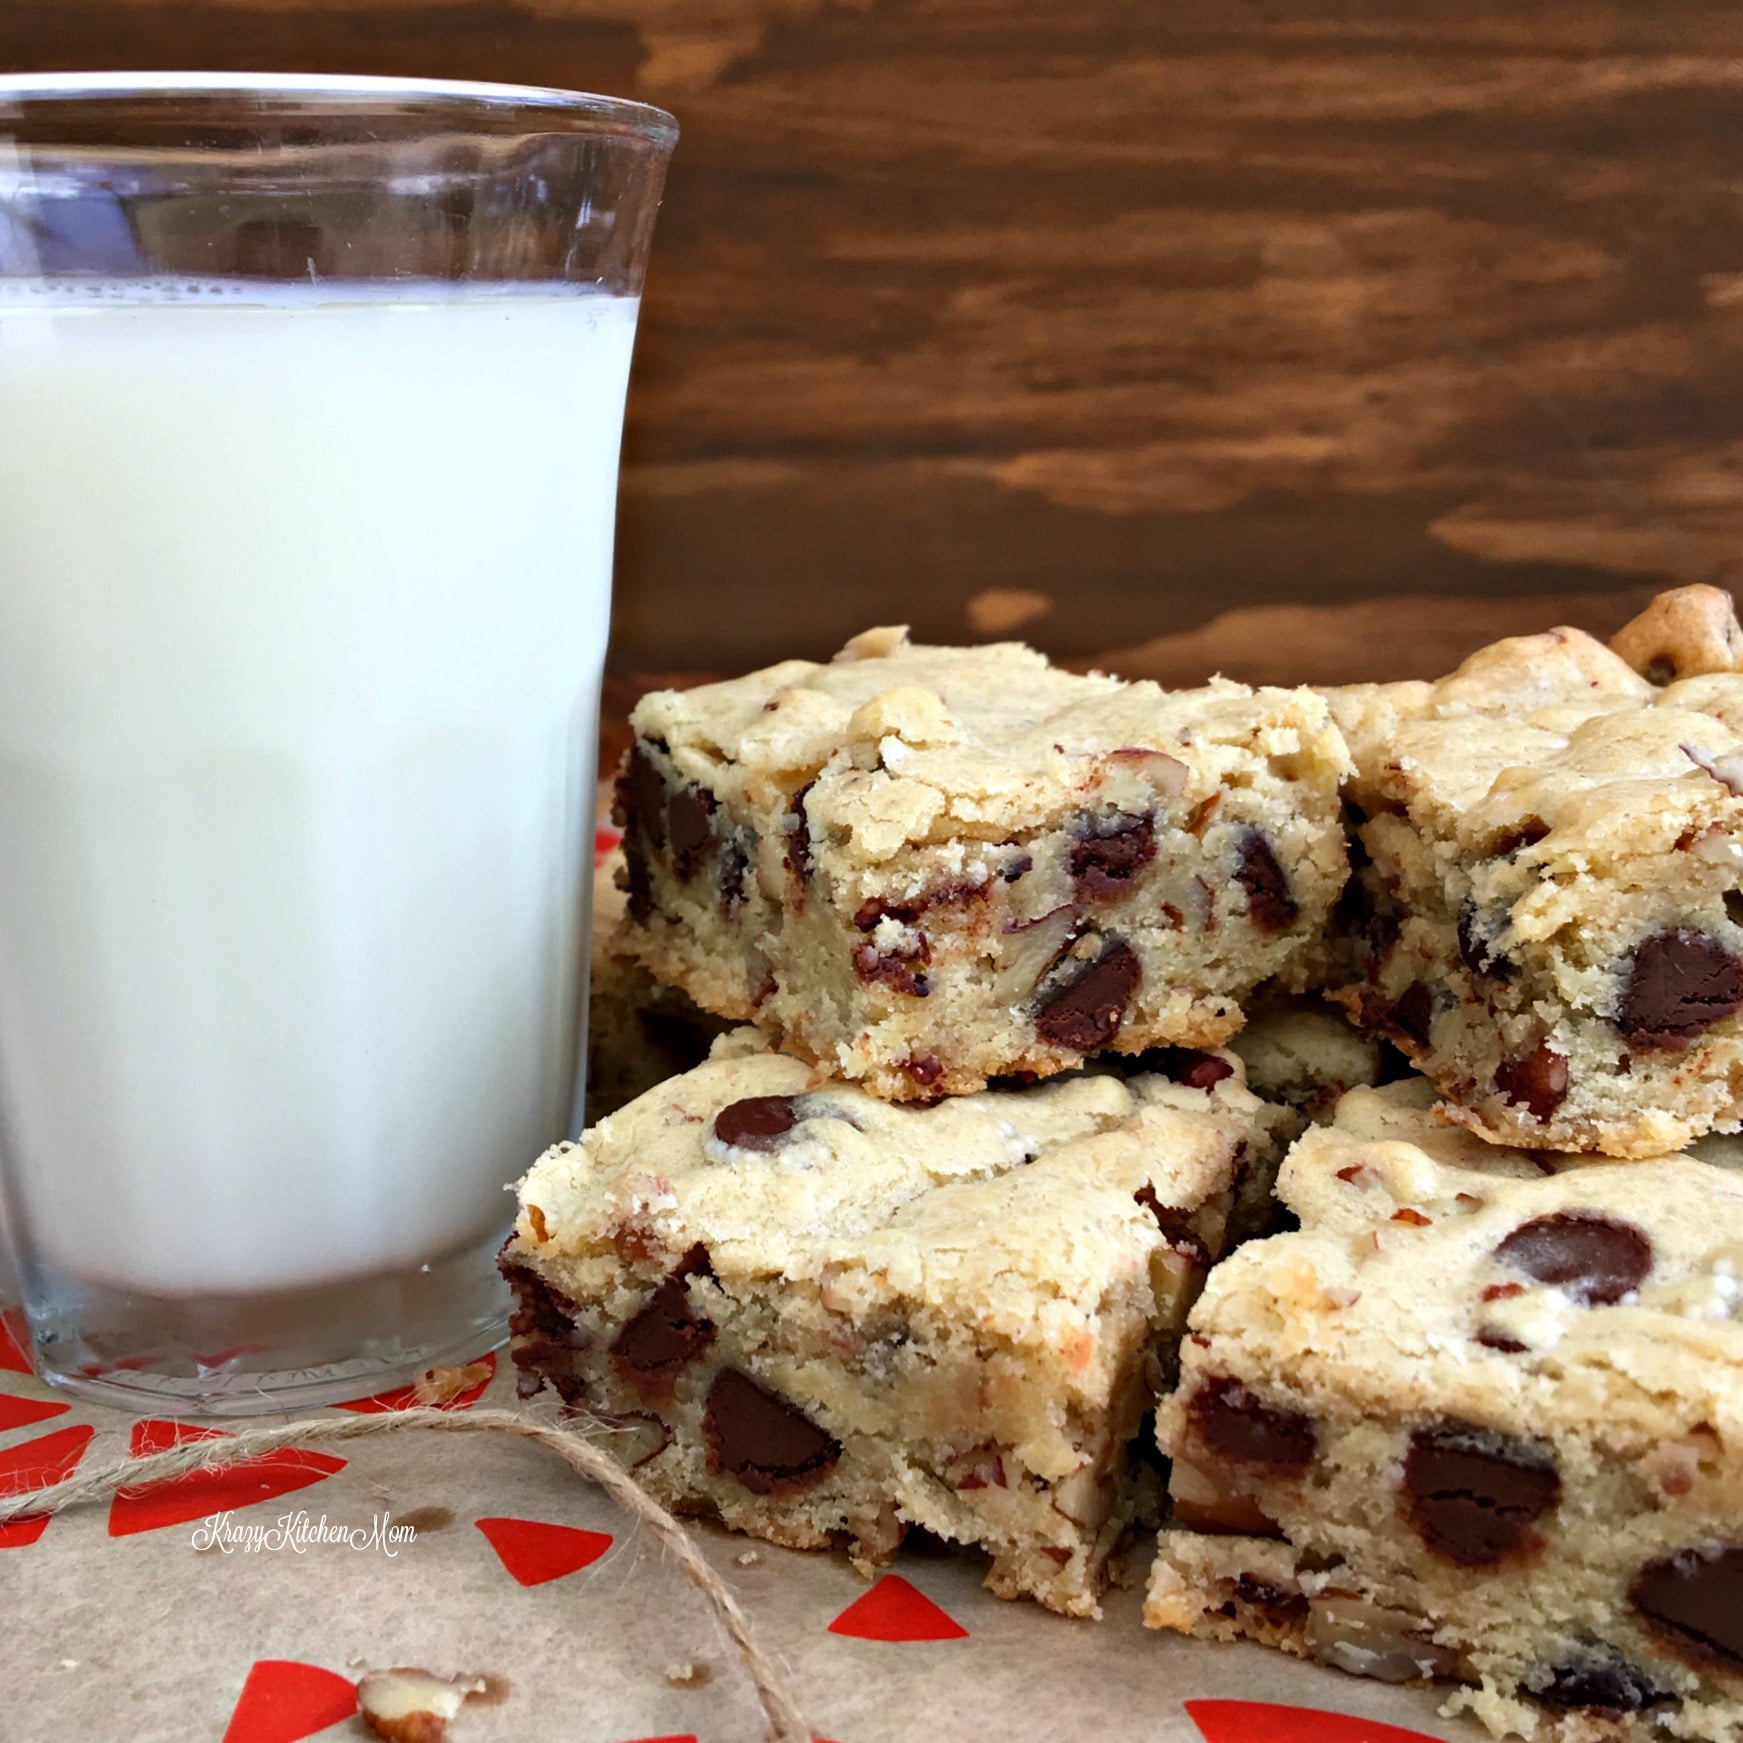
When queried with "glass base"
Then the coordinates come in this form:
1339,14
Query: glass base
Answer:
257,1354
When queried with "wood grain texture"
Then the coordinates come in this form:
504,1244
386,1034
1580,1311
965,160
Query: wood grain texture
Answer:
1156,312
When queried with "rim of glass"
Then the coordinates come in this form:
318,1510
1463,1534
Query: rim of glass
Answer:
342,92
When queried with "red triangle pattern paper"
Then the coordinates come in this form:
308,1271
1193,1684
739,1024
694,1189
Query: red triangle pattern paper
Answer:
894,1610
604,840
35,1465
534,1552
403,1397
22,1412
203,1493
282,1701
687,1737
14,1345
1266,1722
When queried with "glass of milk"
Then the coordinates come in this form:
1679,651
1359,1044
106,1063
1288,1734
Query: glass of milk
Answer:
311,393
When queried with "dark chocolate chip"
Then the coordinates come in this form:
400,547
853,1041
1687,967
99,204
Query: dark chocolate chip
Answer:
547,1343
1109,852
1228,1420
1596,1259
689,824
1475,949
1175,1226
1278,1605
771,1446
667,1334
1679,983
798,854
1023,864
1472,1495
1536,1081
637,880
901,968
1694,1601
759,1122
1492,1338
1412,1016
731,873
1600,1680
1190,1066
908,909
1270,904
639,803
1082,1011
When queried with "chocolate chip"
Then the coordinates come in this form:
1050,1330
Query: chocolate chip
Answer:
1021,866
1694,1601
1270,905
639,803
769,1445
759,1122
1190,1066
1679,983
1412,1015
1175,1226
1278,1605
1476,950
733,868
1493,1339
667,1334
1083,1010
798,854
908,909
547,1342
1227,1419
901,968
1596,1259
1600,1680
1536,1081
689,825
1472,1495
1109,852
637,880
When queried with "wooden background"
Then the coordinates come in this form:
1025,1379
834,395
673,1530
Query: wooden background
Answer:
1104,320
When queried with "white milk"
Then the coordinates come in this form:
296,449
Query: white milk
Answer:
303,609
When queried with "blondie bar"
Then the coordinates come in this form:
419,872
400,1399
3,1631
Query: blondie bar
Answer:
1481,1419
924,867
1547,913
824,1318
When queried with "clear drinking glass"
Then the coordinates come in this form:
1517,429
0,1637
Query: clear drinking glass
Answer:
311,393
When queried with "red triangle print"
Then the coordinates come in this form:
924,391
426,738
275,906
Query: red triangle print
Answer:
1263,1722
21,1412
894,1610
202,1493
35,1465
282,1701
535,1553
604,840
405,1397
14,1345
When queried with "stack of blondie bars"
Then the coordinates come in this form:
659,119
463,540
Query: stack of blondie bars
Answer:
1281,1116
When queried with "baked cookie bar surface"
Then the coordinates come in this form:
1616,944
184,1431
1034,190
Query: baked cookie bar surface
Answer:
1548,910
926,867
824,1318
1480,1419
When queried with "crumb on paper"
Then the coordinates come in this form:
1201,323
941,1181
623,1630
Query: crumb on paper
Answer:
443,1385
405,1705
748,1558
688,1673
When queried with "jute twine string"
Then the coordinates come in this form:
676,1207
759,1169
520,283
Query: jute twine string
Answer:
786,1723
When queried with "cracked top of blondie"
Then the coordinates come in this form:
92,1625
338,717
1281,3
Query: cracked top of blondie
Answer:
898,744
1010,1211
